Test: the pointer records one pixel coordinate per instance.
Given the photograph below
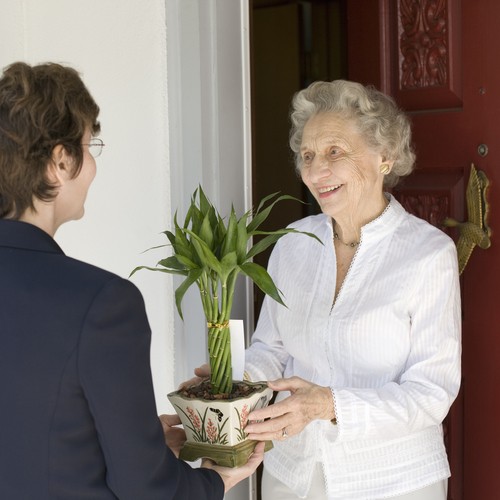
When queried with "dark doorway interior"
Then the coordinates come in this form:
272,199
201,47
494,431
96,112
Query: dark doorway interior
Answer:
293,43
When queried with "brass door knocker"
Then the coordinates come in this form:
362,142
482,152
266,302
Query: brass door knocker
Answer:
475,231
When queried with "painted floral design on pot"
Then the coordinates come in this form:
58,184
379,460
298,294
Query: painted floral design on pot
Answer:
220,422
203,427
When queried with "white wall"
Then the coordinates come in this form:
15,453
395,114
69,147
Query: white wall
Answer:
161,140
120,49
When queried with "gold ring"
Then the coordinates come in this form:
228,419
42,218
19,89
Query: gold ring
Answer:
284,434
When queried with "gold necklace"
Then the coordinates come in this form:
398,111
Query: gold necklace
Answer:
337,237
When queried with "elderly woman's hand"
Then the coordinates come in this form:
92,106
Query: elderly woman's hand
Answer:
306,403
201,374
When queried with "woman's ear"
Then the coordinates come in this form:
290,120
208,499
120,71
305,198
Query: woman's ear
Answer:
60,167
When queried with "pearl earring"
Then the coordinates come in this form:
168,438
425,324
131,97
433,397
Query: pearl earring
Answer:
385,168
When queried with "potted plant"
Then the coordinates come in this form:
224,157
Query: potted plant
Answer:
211,253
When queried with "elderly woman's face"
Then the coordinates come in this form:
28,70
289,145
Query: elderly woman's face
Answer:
339,167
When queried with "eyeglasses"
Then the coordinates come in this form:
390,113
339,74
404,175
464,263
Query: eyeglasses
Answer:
95,147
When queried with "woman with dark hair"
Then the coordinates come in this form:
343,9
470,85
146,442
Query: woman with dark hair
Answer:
78,415
366,355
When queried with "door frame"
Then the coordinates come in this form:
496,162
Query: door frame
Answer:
208,67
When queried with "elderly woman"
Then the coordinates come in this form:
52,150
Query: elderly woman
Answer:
367,353
78,415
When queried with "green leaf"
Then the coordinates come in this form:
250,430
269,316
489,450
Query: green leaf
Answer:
220,237
184,248
192,277
229,243
204,203
196,219
172,263
207,258
264,243
262,279
187,220
273,237
155,248
198,252
265,200
168,271
241,239
213,218
261,216
180,237
206,232
228,263
171,237
187,263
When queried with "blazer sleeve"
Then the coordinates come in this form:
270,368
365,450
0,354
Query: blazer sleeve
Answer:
114,368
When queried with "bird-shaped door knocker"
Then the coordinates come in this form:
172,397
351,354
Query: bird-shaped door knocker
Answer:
475,231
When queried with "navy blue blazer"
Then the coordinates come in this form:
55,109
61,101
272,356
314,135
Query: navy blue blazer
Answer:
78,418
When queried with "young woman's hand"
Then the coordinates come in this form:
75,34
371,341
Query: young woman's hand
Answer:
232,476
175,437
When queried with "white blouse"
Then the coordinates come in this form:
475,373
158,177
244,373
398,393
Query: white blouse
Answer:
389,348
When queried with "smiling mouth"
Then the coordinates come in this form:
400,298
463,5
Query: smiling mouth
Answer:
329,189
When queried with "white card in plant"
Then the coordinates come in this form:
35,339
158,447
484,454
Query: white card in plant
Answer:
237,332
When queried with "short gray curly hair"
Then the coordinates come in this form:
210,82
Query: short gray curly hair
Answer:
383,125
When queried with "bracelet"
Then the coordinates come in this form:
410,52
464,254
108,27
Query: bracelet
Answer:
334,419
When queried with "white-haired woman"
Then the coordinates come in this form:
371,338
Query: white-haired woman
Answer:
366,357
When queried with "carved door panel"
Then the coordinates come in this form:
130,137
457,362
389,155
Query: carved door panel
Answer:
439,59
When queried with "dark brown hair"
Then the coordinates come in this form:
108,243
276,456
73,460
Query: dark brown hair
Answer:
40,107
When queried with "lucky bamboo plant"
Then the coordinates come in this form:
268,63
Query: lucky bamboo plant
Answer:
212,252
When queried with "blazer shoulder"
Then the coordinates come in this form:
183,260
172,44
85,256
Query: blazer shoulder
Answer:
88,272
89,281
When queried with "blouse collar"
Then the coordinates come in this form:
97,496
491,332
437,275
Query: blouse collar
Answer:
382,225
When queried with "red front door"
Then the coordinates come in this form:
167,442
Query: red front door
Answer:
440,59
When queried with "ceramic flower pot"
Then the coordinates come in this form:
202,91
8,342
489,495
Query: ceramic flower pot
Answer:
215,427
